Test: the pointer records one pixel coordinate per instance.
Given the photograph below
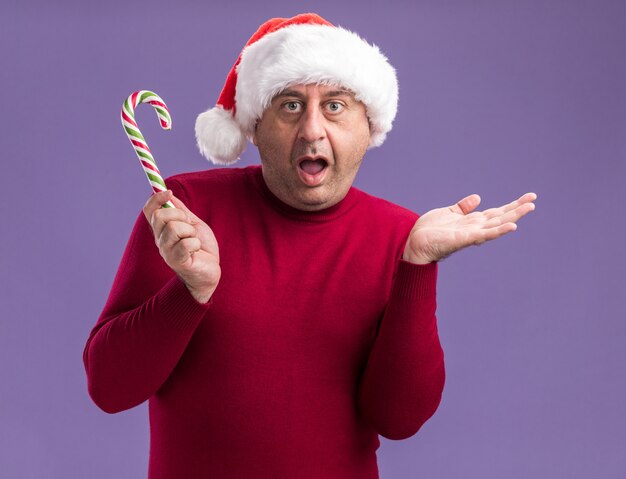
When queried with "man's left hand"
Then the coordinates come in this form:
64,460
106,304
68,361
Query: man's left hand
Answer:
442,231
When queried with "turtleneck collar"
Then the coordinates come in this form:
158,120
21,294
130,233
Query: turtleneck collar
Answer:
320,216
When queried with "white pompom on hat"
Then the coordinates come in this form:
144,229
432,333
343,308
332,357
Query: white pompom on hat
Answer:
304,49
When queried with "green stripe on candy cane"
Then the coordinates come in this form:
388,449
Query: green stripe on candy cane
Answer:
137,140
156,179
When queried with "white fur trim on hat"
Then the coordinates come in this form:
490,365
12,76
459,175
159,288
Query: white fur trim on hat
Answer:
219,137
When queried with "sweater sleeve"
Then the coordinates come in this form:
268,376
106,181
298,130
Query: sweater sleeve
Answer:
402,384
144,327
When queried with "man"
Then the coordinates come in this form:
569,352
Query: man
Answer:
279,319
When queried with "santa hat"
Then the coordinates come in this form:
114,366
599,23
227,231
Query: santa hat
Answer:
304,49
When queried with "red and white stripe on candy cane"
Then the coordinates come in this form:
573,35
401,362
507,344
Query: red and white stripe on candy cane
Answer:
138,141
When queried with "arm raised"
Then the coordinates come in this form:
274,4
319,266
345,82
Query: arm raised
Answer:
151,313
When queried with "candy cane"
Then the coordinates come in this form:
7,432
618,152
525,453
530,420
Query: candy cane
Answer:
138,141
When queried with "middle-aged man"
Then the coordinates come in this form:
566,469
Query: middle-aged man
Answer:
279,319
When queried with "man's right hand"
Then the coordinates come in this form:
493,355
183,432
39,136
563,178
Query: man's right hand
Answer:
186,243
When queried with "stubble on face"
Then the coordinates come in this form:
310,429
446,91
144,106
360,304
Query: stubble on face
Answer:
342,145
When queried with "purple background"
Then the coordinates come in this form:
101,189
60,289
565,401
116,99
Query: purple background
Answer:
496,97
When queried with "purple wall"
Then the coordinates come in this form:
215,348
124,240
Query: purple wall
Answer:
496,97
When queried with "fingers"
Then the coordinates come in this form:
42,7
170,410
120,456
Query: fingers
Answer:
183,250
167,218
175,235
524,199
155,202
173,232
511,216
158,217
180,205
480,236
466,205
493,233
497,222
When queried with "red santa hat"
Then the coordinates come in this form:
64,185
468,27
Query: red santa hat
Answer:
303,49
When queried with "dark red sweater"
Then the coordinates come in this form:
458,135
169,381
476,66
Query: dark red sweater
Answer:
317,339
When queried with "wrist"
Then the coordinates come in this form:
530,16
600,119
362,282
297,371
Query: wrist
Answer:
416,258
201,295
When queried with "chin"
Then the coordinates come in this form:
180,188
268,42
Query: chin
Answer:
314,202
313,206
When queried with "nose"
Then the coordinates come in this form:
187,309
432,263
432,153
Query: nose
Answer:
312,125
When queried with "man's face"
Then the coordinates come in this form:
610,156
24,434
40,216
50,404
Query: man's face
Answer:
311,140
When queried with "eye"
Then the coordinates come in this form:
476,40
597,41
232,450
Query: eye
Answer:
334,106
292,106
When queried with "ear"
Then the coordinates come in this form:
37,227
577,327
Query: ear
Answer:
254,142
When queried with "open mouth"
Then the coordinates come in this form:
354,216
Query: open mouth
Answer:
313,167
312,170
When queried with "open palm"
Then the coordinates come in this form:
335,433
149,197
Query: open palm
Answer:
442,231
